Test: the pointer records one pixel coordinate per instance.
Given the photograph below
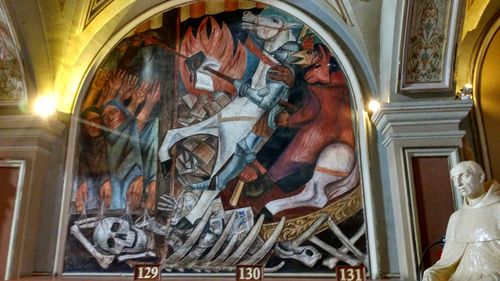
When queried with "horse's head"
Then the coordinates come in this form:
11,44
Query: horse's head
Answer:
266,27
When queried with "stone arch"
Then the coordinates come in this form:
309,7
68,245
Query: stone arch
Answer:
484,98
479,27
335,33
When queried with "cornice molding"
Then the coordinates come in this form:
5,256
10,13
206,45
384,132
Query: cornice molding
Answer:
21,132
31,122
423,119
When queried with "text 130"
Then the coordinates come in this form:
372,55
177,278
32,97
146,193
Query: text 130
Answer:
249,273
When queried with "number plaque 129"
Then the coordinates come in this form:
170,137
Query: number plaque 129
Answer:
147,272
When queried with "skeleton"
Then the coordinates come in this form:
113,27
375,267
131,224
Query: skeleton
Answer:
347,243
266,247
246,244
224,263
211,269
195,235
225,253
115,238
190,260
238,234
334,252
341,254
332,261
104,260
308,255
188,255
222,239
235,246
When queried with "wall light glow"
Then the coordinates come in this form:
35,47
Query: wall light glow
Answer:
373,106
45,105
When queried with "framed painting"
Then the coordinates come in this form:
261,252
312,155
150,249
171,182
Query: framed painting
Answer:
11,181
223,135
428,173
427,51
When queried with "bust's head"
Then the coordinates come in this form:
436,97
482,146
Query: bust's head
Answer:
468,178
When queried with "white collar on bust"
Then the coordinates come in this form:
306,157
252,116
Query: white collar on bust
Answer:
492,196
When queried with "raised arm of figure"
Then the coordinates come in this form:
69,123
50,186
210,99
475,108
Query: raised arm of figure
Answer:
152,99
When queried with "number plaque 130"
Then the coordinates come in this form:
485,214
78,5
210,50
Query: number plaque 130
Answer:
249,273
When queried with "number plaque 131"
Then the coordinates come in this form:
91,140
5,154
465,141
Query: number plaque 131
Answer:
350,273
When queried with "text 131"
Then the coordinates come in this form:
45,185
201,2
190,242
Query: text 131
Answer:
350,273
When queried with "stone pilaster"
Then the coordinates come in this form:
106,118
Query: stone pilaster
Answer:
28,138
424,125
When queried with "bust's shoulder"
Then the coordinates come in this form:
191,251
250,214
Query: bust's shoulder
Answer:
455,216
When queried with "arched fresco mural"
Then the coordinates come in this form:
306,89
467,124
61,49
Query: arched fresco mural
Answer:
217,136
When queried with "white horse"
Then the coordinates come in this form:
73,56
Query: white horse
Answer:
275,32
235,121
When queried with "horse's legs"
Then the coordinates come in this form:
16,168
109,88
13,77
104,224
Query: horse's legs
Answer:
334,164
313,195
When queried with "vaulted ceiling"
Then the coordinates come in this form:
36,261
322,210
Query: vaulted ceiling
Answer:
61,41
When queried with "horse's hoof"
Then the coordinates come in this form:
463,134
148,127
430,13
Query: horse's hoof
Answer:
258,187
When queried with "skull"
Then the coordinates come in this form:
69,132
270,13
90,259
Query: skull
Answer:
115,236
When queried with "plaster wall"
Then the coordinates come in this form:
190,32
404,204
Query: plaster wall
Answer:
62,53
489,100
476,21
62,50
348,39
51,195
368,22
390,28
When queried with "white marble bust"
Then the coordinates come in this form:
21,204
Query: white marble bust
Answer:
472,248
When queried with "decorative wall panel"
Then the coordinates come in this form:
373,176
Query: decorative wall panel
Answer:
12,85
94,8
11,180
222,136
429,37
